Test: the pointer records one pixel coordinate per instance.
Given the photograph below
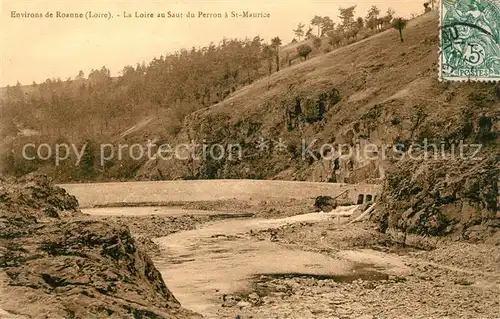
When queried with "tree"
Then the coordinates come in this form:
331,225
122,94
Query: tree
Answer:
352,32
372,17
275,43
347,16
360,23
100,77
128,71
386,20
15,93
304,50
433,3
106,72
88,159
399,24
390,13
317,42
426,6
288,59
317,21
334,38
267,54
309,34
299,32
80,75
327,25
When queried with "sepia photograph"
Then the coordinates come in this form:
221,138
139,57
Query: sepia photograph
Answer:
249,159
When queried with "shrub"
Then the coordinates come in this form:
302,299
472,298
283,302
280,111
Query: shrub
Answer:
304,50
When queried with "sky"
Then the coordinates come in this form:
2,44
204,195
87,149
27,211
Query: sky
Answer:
34,49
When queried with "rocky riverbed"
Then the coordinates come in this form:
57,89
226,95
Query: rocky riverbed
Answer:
261,260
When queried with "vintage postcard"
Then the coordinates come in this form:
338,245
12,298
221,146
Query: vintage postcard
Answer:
237,159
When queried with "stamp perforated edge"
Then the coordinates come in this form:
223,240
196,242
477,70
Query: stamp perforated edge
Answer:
441,78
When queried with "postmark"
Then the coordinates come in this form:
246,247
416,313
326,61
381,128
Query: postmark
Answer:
470,40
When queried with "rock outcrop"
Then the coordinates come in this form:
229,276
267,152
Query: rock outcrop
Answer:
459,198
325,204
57,262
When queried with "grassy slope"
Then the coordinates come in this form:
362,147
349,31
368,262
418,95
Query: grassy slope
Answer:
385,86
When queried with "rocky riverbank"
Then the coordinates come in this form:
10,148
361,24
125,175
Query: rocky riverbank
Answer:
58,263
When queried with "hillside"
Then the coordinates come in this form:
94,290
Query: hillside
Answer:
383,98
373,93
377,91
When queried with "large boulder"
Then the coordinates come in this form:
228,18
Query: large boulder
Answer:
325,204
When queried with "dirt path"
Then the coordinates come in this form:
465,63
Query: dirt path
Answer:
220,258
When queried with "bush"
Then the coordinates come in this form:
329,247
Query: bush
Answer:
399,24
317,42
304,50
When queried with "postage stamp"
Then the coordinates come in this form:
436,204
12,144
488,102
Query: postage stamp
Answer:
470,40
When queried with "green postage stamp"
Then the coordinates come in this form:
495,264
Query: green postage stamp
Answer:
470,40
